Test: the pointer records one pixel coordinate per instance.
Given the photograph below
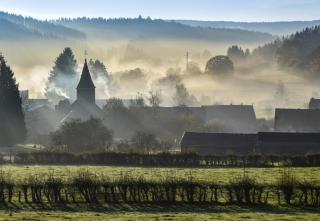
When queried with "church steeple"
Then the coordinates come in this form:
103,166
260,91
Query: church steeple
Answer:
86,88
85,80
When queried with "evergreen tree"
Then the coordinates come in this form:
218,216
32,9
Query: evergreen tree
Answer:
12,124
103,81
63,77
235,53
98,69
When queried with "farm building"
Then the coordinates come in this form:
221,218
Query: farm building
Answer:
41,120
236,118
288,143
262,142
314,103
297,120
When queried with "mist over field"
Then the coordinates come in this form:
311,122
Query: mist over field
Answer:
143,55
160,110
157,60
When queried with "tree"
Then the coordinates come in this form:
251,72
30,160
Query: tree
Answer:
314,63
247,53
220,65
13,129
63,107
281,92
145,141
78,136
193,69
122,119
114,105
236,54
137,102
63,77
182,96
155,99
98,69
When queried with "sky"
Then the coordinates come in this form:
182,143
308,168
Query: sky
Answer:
214,10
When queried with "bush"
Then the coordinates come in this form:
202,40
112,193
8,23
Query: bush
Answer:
78,136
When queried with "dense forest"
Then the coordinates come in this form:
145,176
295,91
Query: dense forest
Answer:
275,28
140,28
298,53
21,27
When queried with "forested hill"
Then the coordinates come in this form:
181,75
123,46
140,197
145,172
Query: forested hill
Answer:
298,53
18,27
301,51
140,28
275,28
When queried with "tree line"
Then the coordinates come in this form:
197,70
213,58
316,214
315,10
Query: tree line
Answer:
165,159
86,187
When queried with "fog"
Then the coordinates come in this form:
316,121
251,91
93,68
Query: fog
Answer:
144,66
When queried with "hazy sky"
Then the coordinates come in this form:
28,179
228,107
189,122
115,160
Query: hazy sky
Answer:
236,10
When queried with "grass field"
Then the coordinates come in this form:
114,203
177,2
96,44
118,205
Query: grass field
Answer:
158,212
235,214
222,175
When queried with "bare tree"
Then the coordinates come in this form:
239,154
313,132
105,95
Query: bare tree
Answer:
155,99
281,92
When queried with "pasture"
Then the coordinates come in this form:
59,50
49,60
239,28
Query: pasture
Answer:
149,211
219,175
220,213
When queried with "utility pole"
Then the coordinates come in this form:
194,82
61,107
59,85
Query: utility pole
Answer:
187,61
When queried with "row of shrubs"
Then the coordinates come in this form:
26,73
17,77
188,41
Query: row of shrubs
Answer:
86,187
166,159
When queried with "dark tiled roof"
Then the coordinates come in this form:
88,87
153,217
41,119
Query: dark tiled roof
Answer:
217,139
297,120
314,103
85,80
289,137
239,118
83,111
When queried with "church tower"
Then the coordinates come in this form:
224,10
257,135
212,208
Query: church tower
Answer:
86,88
85,106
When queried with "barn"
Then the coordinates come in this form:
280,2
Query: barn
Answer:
297,120
242,144
288,143
218,143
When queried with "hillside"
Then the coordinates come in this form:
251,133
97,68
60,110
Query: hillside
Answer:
301,51
298,53
19,27
275,28
16,31
140,28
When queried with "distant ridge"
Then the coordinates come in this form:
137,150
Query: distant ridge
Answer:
276,28
147,28
20,27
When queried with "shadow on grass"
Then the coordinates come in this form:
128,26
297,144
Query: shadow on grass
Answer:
156,208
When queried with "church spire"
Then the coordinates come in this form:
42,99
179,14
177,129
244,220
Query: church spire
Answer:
85,80
86,88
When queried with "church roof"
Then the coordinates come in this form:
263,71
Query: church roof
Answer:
83,111
85,80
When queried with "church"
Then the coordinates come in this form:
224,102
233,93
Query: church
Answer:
85,105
